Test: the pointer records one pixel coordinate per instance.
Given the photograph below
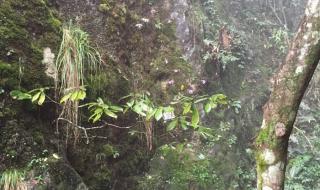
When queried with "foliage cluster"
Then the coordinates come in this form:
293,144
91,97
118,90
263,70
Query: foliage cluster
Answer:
179,166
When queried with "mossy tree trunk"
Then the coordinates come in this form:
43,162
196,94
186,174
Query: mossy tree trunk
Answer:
280,111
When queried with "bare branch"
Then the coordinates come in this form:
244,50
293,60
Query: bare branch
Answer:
85,129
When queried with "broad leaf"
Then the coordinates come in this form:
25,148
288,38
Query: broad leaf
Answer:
110,113
195,117
116,108
130,103
172,125
17,94
35,97
65,98
74,95
82,95
138,110
158,114
96,117
41,98
207,107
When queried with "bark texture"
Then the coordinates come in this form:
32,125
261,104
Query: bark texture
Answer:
280,111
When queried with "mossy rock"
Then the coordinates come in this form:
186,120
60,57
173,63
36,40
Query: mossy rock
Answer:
63,176
26,27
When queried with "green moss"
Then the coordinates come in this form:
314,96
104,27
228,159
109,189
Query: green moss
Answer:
26,27
55,23
34,24
108,150
261,167
9,75
266,136
104,7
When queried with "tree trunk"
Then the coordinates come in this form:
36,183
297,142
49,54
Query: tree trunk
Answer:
288,89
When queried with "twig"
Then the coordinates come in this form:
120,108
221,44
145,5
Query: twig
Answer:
116,126
303,133
85,129
100,137
273,8
53,100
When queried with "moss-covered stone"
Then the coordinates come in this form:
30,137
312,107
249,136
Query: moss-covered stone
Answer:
26,28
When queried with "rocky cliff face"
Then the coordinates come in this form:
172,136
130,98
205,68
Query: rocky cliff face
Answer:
202,46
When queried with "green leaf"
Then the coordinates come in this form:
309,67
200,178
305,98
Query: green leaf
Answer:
110,113
41,99
17,94
200,100
104,106
144,106
130,103
100,101
97,117
207,107
205,132
159,113
82,95
116,108
65,98
98,110
195,117
74,95
172,125
127,96
186,108
35,97
150,114
168,109
183,123
219,98
138,110
213,105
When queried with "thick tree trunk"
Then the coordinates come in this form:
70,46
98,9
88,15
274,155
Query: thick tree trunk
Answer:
280,111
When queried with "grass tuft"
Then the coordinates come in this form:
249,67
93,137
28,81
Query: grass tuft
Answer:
12,180
76,59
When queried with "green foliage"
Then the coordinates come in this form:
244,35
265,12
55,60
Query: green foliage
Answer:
303,172
227,57
279,40
142,105
304,165
36,95
12,180
39,165
17,94
100,108
74,95
75,61
181,167
183,110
